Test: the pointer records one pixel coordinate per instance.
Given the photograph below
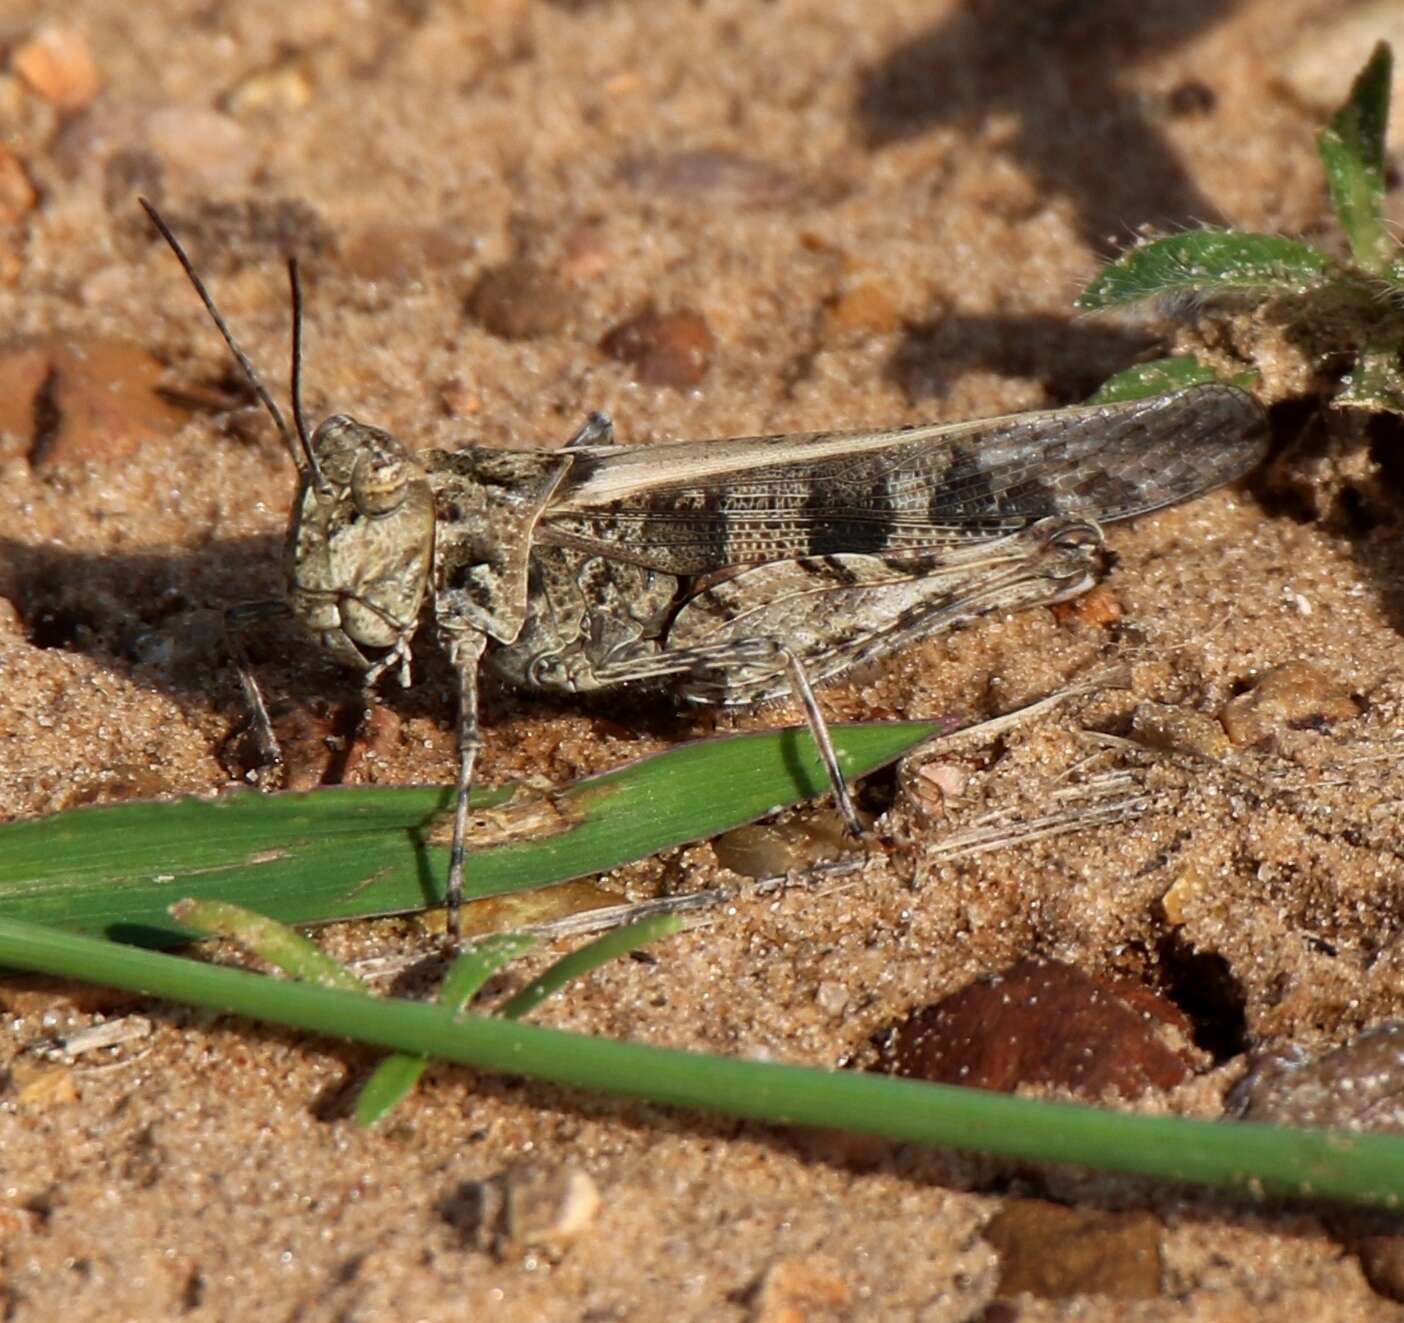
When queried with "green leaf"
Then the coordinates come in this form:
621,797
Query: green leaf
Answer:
1159,376
268,939
1256,1160
347,853
400,1072
1206,262
1352,147
1375,383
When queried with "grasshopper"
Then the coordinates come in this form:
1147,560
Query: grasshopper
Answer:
743,571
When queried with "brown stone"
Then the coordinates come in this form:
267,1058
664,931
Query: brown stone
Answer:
280,89
520,909
1182,730
1045,1024
1357,1086
1096,609
39,1086
801,1290
520,300
55,63
1293,696
82,401
868,308
534,1205
665,349
1054,1252
771,849
17,194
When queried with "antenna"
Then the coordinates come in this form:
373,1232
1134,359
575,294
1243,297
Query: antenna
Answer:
301,449
295,385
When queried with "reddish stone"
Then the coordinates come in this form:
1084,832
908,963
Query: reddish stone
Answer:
81,402
1046,1024
520,301
665,348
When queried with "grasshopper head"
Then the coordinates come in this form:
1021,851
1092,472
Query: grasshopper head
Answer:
359,544
361,537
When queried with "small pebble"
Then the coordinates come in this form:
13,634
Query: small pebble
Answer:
665,349
495,914
866,308
1054,1252
811,1289
1180,898
41,1086
1178,730
1045,1023
533,1206
282,89
772,849
587,252
520,300
1097,609
17,194
1357,1086
831,997
929,785
55,63
1294,696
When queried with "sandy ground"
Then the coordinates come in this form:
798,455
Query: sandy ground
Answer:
881,211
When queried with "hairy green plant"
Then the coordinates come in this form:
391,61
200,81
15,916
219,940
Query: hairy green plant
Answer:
1360,297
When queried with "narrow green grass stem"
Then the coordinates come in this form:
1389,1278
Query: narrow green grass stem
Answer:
609,946
1365,1169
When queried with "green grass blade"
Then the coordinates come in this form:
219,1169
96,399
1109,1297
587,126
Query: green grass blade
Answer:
1159,376
478,963
268,939
1352,147
348,853
609,946
1254,1159
1206,262
400,1072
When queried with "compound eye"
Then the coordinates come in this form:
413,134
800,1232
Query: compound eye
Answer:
379,484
